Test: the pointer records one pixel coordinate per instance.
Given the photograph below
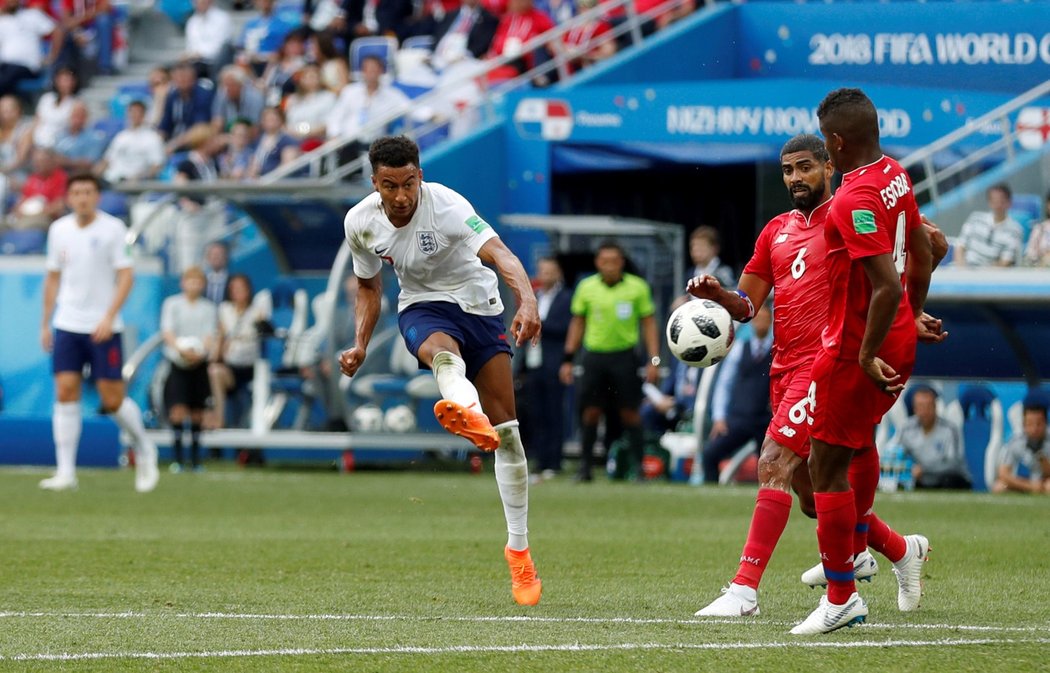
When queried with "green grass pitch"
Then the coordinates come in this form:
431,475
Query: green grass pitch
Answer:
278,570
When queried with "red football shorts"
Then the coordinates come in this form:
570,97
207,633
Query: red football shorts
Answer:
789,398
847,404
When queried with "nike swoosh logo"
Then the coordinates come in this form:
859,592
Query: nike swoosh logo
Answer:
748,613
380,252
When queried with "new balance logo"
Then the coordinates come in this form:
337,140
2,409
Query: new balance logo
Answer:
780,239
787,431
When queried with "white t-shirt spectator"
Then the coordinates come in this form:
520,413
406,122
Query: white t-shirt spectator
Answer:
241,338
987,243
207,33
303,113
133,153
355,108
88,259
184,318
1017,453
52,118
20,35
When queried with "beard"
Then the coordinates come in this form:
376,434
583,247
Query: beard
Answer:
809,199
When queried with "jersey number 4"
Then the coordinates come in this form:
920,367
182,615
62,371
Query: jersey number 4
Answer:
899,253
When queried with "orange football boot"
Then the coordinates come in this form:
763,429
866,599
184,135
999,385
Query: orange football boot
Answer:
524,584
467,422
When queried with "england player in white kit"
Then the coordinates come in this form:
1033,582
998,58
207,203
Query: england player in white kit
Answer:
89,274
450,313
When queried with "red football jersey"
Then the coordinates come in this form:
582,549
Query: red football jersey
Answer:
873,213
790,256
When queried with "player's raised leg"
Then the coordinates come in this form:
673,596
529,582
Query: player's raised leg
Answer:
459,411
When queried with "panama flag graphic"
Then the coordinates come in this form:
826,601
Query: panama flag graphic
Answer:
544,119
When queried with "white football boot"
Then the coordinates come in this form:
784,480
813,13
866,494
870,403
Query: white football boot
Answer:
829,617
737,600
864,568
59,483
147,474
909,572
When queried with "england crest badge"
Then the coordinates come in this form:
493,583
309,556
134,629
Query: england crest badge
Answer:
427,242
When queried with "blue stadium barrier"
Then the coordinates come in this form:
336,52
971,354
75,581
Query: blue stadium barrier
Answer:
23,242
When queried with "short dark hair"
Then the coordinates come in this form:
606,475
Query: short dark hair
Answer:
377,59
234,277
1035,407
84,177
610,244
137,103
1001,187
393,152
851,114
806,142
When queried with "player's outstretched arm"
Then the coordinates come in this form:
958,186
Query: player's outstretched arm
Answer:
525,326
366,315
708,287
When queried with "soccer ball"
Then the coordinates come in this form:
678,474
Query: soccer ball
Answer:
367,418
190,343
700,333
399,419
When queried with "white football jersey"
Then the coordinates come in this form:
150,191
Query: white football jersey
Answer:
88,259
435,256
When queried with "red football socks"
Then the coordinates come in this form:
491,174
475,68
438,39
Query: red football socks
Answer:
885,540
864,479
772,509
836,519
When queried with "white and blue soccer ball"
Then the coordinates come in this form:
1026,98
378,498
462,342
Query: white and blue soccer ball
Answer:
399,418
367,418
700,333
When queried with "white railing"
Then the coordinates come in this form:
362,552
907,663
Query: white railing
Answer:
1005,141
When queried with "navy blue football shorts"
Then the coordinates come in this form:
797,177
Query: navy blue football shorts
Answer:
72,350
480,337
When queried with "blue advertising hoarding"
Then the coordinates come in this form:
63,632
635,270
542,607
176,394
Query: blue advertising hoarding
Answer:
728,121
992,46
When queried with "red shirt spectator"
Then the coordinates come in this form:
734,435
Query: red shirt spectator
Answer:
521,23
584,34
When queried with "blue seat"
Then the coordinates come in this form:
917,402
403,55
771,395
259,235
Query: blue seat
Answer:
125,95
380,46
23,242
982,415
114,203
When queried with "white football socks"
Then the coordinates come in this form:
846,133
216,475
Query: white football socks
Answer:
129,419
66,423
451,374
512,478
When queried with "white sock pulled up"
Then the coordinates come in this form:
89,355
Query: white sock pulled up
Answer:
512,478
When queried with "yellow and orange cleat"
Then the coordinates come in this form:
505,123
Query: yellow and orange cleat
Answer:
524,584
467,422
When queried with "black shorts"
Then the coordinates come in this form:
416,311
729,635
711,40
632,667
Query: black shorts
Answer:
610,380
242,376
187,387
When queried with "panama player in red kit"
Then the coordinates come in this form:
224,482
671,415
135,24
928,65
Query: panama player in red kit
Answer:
879,261
789,260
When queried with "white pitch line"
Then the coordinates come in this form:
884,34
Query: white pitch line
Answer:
478,649
488,618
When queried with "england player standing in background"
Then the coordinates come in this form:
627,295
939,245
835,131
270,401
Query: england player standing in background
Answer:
879,260
451,316
89,276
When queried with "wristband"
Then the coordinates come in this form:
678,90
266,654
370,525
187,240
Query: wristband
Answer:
568,357
750,306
